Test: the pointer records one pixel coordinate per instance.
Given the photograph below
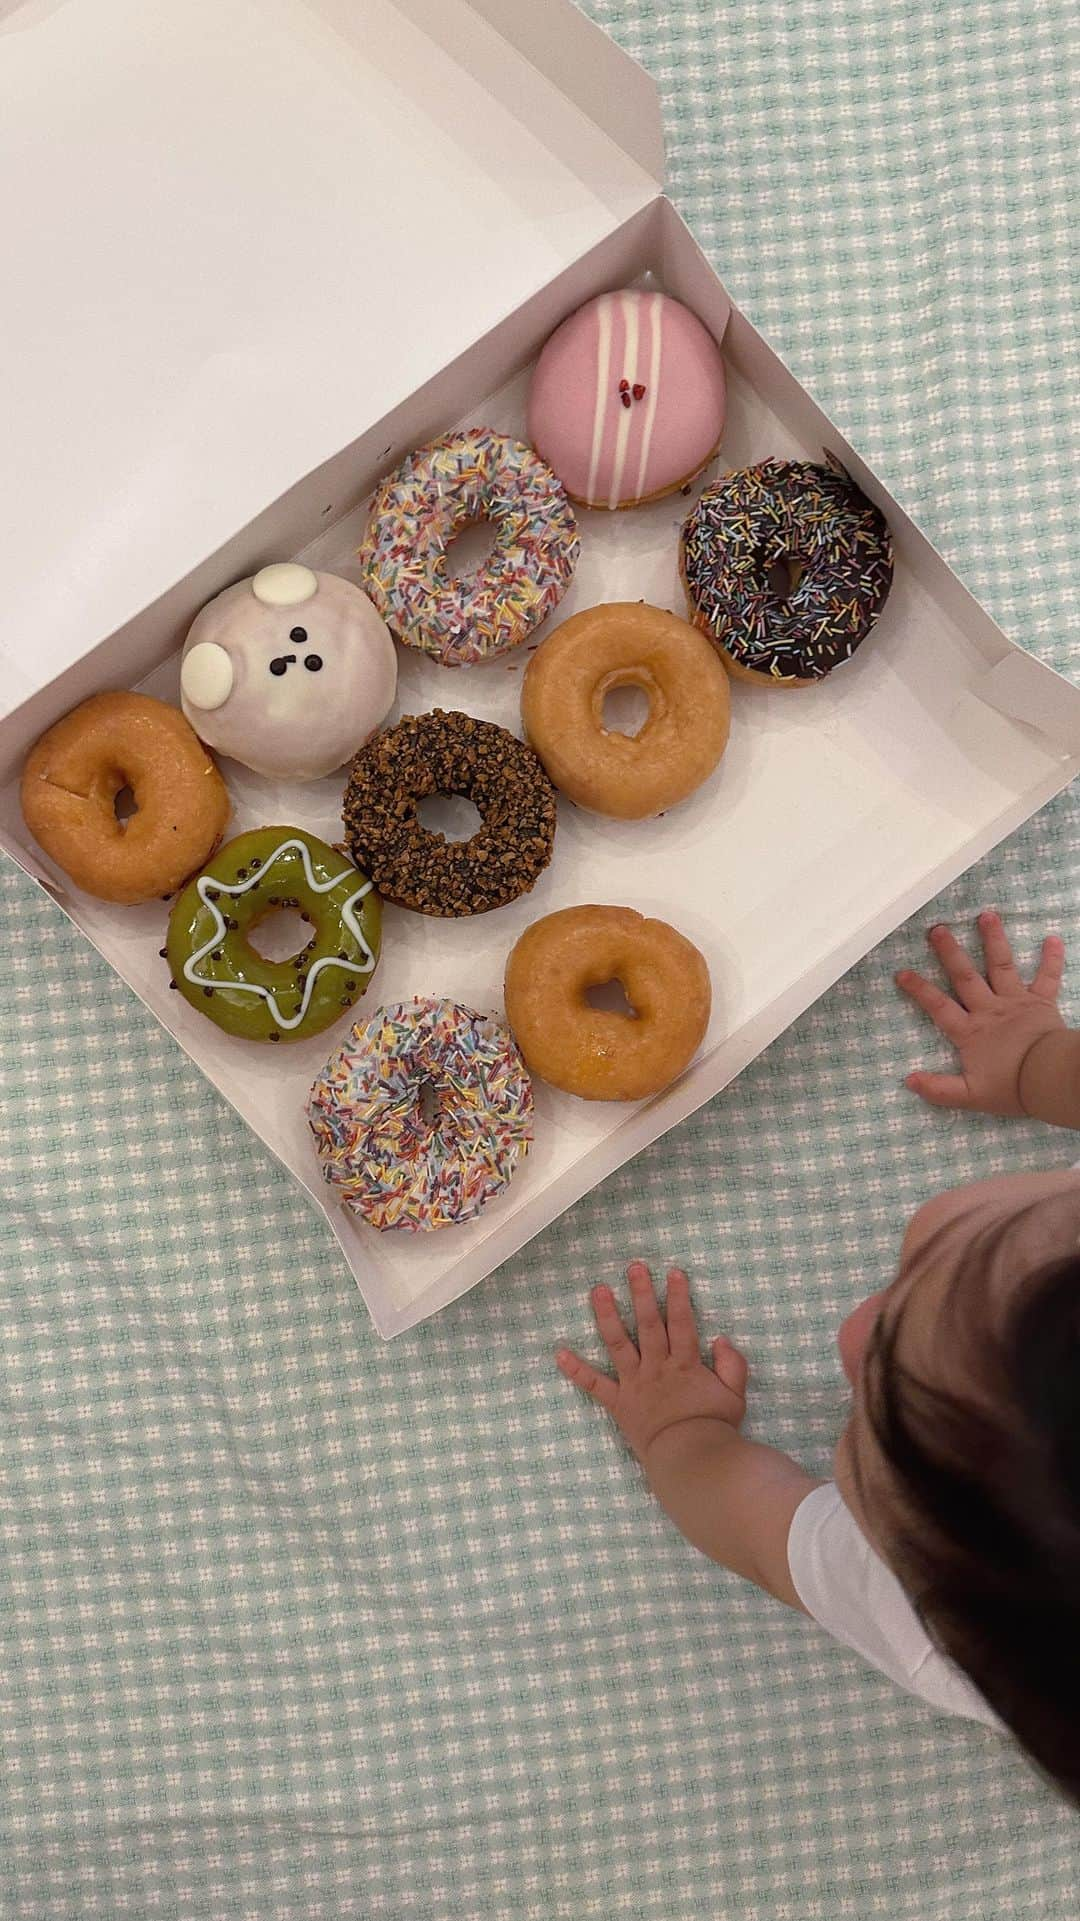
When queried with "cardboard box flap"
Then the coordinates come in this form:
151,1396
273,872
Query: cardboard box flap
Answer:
579,58
243,231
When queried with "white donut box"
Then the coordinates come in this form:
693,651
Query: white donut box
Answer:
255,251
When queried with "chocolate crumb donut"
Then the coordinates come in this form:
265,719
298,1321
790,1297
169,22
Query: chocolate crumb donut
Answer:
449,753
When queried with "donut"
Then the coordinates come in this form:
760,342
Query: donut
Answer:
449,753
75,772
626,644
589,1051
435,494
627,399
392,1165
288,672
217,970
815,524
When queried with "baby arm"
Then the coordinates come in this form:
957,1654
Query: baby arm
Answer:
733,1498
1016,1055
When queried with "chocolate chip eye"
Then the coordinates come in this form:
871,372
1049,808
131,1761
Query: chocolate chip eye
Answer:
299,634
313,662
279,666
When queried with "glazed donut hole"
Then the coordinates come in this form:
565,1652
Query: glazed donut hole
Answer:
118,794
627,704
610,997
613,992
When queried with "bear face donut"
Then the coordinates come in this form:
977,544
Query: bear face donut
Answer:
594,1052
627,400
75,772
833,546
288,672
626,644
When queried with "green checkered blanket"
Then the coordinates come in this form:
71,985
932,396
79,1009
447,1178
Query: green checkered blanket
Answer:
293,1623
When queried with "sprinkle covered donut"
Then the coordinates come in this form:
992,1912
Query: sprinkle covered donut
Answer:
449,753
392,1166
476,475
628,398
834,545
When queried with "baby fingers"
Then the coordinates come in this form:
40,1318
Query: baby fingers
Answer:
599,1387
947,1015
730,1366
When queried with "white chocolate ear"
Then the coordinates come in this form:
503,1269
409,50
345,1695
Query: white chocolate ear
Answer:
285,584
206,676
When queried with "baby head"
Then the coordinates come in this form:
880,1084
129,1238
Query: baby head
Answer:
961,1460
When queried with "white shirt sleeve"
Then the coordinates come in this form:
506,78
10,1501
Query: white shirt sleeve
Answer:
846,1586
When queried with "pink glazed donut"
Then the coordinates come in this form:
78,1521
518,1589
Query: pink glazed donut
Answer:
627,399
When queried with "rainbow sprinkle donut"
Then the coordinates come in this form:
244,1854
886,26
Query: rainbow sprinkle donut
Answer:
391,1165
435,494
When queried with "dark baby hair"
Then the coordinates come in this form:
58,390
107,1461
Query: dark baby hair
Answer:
988,1548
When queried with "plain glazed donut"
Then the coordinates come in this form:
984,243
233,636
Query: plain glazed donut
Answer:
391,1164
76,770
586,1050
818,525
626,644
477,475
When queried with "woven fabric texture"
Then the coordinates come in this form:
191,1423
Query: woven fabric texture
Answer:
294,1623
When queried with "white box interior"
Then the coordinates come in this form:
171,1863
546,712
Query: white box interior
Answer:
833,814
244,229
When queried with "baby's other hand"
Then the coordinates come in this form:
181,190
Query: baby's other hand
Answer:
992,1020
661,1380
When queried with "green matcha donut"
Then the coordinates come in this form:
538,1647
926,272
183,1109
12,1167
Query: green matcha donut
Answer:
215,967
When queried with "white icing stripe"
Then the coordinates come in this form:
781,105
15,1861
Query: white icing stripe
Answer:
630,374
205,881
603,372
652,391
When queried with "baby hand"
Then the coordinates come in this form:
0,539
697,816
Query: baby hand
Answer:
993,1022
661,1381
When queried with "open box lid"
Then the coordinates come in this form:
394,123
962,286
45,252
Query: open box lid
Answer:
236,233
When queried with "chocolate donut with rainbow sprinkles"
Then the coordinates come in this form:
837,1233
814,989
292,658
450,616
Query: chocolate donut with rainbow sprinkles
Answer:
830,546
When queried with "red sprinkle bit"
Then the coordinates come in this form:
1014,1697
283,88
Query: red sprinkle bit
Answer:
639,391
624,386
625,398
